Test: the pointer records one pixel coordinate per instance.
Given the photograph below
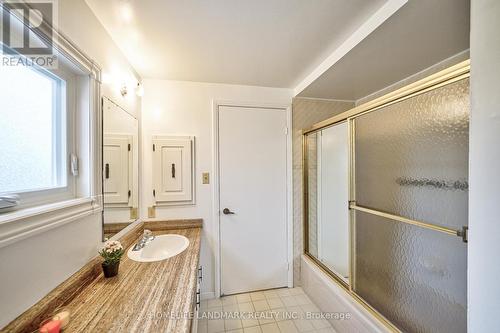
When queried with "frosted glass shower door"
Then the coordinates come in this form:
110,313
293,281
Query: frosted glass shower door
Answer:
327,195
333,195
411,161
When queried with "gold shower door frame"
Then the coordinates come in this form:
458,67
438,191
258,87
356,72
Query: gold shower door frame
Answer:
447,76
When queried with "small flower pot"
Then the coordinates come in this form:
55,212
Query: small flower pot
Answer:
111,269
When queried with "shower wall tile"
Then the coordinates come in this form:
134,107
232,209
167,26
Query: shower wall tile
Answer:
305,113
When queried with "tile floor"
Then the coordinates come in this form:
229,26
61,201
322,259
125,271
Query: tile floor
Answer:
271,311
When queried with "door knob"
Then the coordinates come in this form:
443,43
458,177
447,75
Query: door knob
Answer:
226,211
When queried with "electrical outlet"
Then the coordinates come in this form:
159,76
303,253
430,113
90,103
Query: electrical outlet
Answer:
151,212
133,213
206,178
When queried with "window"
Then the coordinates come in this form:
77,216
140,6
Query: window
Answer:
50,135
35,136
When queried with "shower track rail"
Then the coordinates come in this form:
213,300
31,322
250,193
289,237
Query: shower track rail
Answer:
453,232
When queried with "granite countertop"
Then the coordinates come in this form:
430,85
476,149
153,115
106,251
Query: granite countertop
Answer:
143,296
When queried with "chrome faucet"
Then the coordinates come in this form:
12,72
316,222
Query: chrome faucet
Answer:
147,237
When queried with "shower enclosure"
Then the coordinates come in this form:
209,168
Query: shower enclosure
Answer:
386,202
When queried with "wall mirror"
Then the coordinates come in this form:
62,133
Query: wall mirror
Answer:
120,168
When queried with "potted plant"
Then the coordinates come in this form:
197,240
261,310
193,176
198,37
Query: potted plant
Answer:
112,253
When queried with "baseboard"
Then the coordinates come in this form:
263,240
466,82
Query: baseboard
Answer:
207,295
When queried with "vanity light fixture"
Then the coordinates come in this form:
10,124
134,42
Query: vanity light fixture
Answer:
123,82
123,90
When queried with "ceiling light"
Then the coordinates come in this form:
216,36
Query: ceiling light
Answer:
126,12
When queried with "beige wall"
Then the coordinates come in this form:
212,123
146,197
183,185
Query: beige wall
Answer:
305,113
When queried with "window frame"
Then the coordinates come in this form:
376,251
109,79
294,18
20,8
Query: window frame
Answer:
63,141
87,201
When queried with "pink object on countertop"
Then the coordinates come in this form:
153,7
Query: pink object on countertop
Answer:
51,326
63,316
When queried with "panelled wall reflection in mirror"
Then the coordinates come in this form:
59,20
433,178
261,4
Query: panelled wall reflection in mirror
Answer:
403,171
120,168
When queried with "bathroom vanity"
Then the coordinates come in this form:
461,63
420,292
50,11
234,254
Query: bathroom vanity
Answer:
159,296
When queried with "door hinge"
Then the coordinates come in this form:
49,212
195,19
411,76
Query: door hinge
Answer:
286,130
464,233
153,147
129,193
154,193
129,147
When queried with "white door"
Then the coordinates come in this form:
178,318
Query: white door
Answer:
253,229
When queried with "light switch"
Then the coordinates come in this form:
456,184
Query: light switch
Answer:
206,178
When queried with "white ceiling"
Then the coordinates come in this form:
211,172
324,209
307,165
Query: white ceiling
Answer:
420,34
274,43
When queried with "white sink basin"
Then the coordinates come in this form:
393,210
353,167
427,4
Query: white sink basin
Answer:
161,248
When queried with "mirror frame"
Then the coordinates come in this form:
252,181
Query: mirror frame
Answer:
103,236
